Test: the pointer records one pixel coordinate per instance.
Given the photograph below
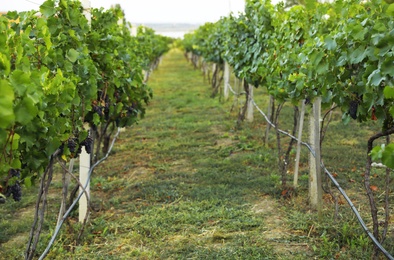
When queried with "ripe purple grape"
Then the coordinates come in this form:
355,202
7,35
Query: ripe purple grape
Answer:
353,105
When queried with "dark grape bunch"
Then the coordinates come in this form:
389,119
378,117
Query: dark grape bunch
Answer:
98,110
101,105
133,109
353,105
88,143
72,144
76,148
16,189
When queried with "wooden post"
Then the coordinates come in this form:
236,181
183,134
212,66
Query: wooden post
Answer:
269,115
298,153
315,182
84,157
226,78
249,110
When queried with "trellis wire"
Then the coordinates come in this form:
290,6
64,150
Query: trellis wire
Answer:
355,211
58,227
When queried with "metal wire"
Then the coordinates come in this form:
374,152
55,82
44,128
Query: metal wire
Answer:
312,151
355,211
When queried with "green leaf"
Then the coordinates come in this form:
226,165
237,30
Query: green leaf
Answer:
53,145
26,110
345,118
82,136
28,182
388,92
16,164
390,10
5,64
375,78
48,8
310,4
326,96
357,55
376,153
316,57
6,104
13,15
19,81
330,43
15,141
387,67
322,68
342,60
358,32
388,156
72,55
96,119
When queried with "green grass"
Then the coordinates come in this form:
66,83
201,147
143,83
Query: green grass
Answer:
186,184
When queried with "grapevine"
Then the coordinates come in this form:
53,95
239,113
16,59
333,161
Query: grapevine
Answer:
340,51
60,76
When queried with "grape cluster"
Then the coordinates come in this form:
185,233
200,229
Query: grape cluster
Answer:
106,108
88,143
101,105
72,144
133,109
353,106
98,110
15,190
75,147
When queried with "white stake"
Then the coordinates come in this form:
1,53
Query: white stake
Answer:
84,157
84,166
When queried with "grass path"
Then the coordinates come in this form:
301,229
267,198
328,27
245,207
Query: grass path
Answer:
184,185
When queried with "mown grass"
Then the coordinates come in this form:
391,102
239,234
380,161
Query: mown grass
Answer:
185,183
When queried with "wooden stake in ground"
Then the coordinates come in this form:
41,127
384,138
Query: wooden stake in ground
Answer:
269,115
249,111
226,78
315,182
298,153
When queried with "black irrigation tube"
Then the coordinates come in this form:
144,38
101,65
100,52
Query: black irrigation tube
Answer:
355,211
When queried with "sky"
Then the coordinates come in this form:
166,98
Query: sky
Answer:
153,11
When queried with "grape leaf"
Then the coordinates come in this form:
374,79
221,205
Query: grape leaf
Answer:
330,43
26,110
6,104
48,8
72,55
388,156
388,92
